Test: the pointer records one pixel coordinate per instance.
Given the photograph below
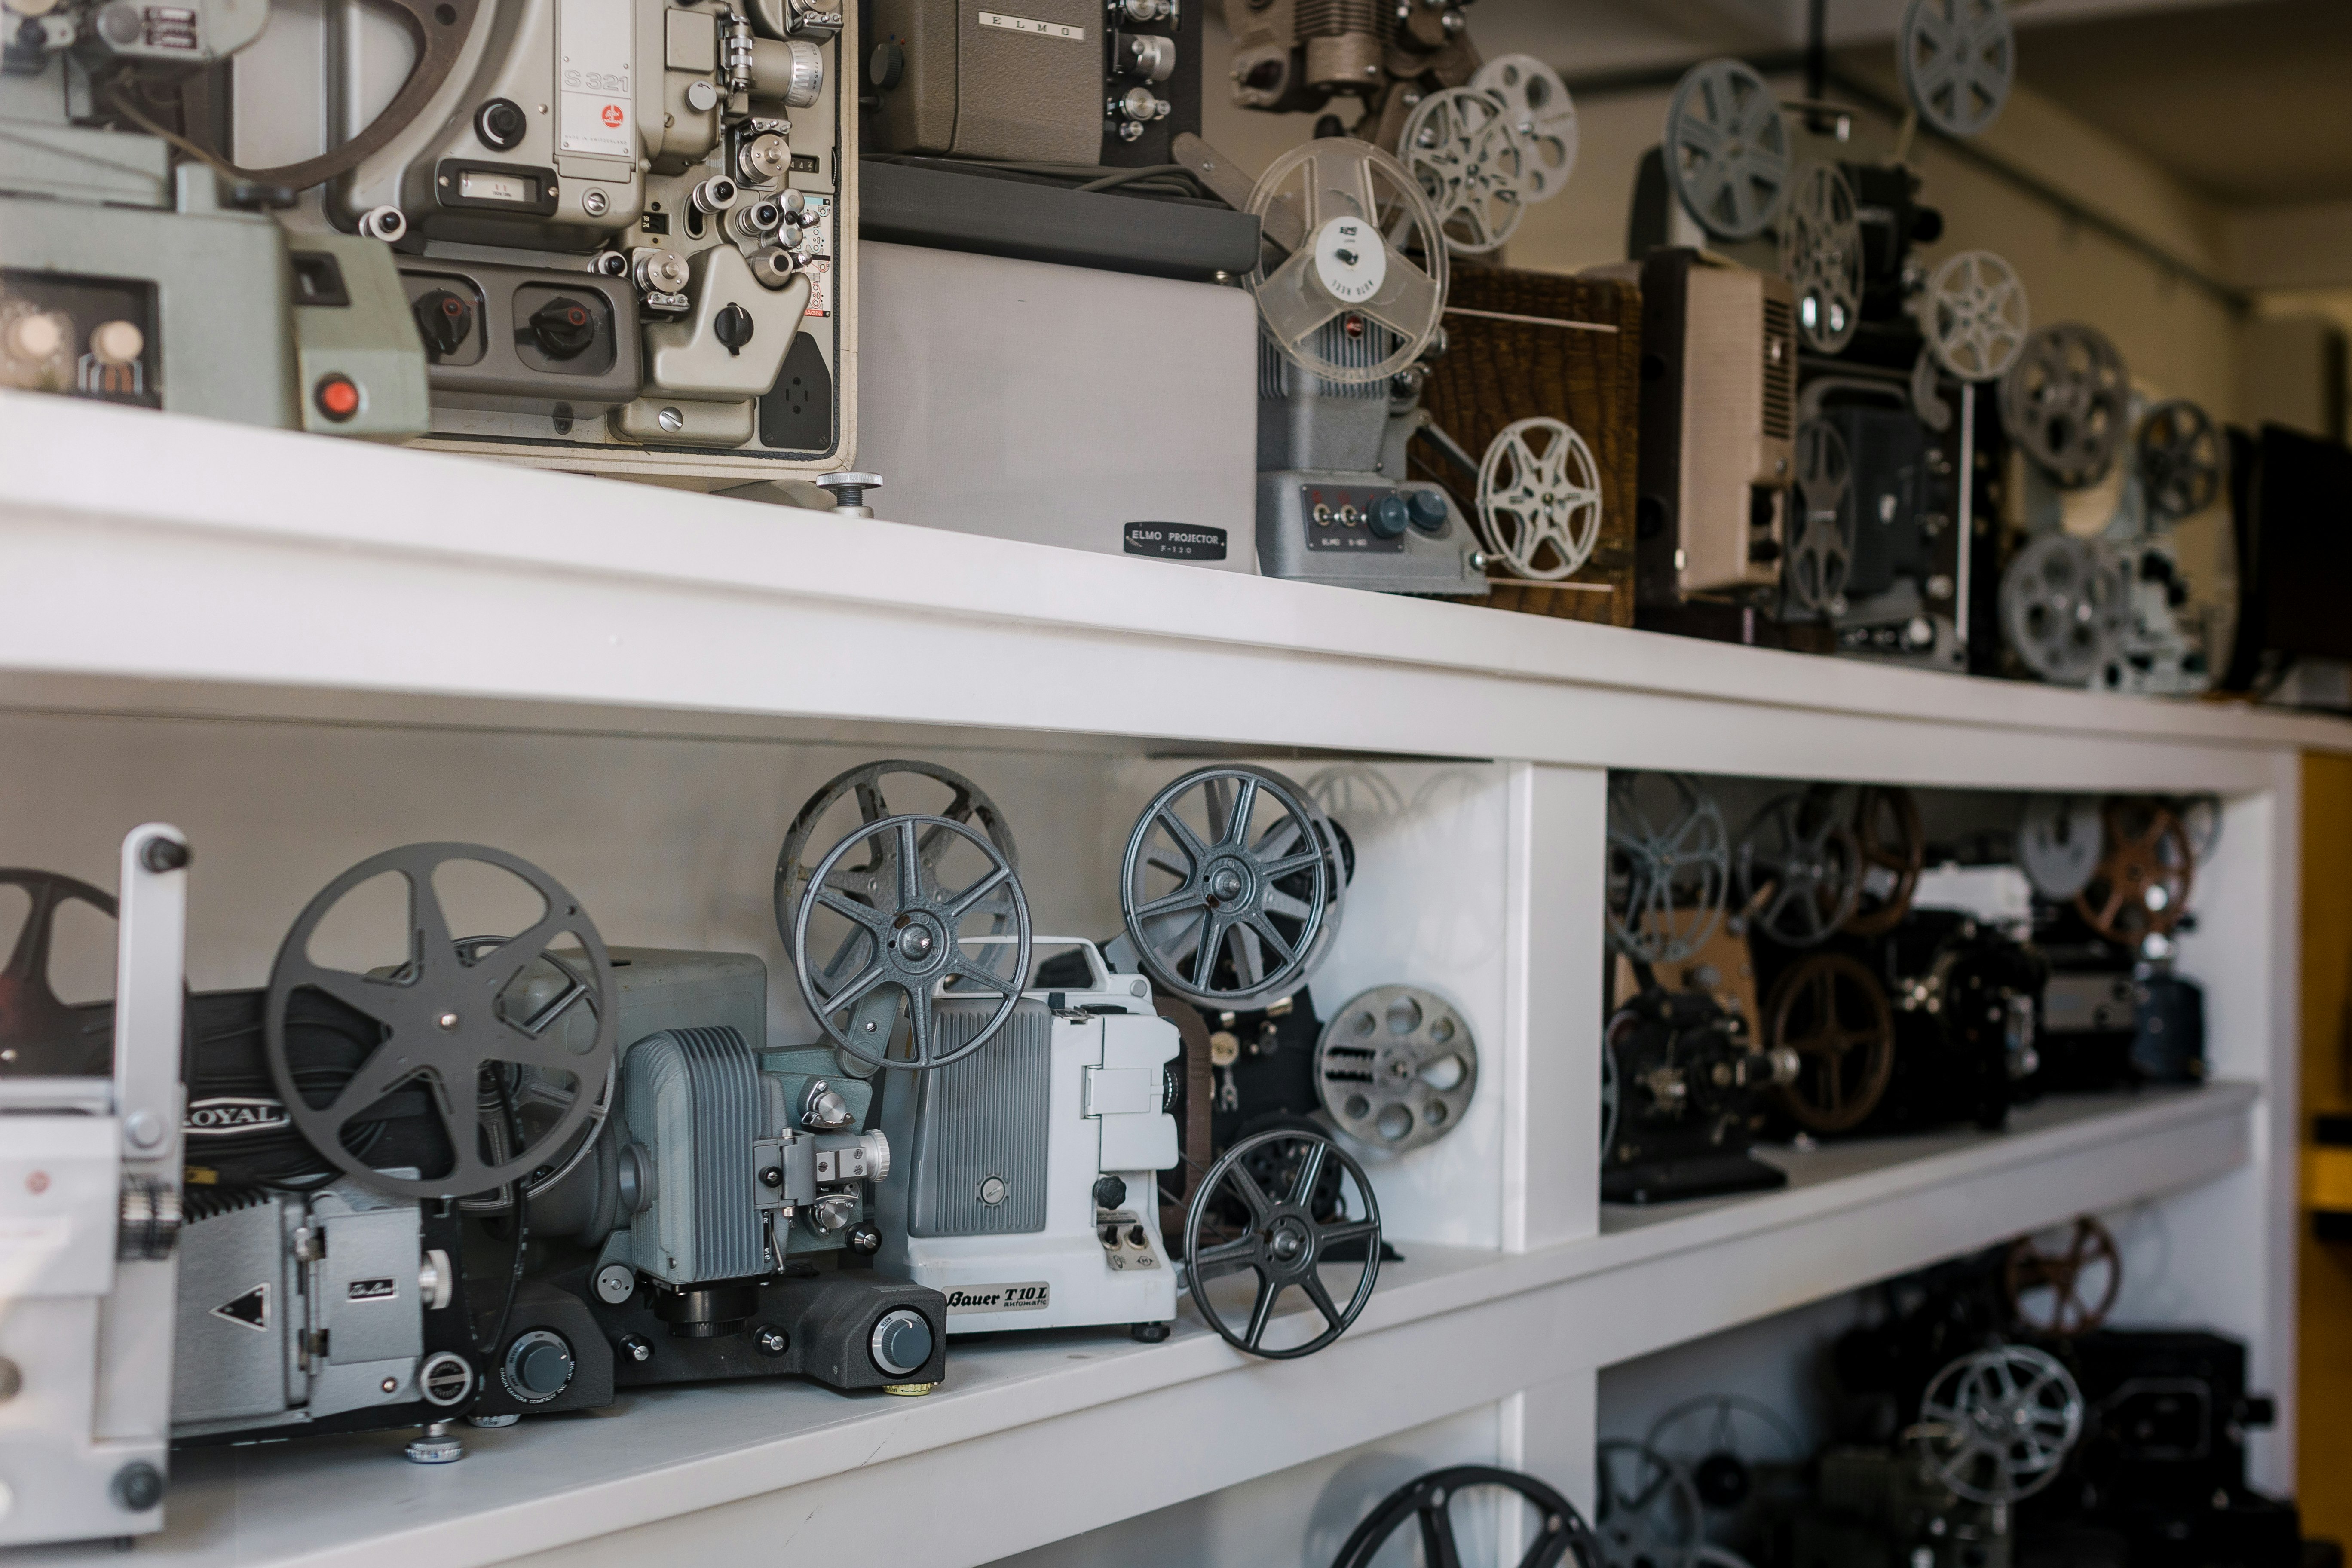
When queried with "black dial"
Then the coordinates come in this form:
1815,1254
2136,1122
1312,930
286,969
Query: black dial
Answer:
563,328
444,319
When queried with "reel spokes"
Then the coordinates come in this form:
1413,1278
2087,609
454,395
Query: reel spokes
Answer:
1278,1207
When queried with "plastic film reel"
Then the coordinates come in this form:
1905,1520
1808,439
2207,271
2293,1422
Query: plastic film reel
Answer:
1799,870
2065,402
2180,460
2058,843
1669,866
1832,1011
1364,219
1815,573
2140,887
1821,254
1726,149
41,1034
1894,844
1540,498
1428,1503
1718,1440
1226,912
1998,1426
2065,1282
1464,148
1958,60
1396,1067
444,1028
1537,103
1278,1207
2062,605
1975,316
1647,1512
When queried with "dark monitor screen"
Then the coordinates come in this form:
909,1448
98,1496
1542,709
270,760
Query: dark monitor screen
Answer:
2300,504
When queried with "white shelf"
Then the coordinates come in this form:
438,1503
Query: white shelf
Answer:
1087,1428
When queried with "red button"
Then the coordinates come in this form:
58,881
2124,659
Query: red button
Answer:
338,397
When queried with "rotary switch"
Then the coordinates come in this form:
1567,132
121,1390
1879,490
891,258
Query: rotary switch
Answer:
563,328
444,319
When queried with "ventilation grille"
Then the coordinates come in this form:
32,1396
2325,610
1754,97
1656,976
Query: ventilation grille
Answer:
1329,19
694,1095
1780,370
982,1123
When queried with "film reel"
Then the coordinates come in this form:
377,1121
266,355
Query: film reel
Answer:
1832,1011
2063,605
2065,402
1646,1513
1799,870
2180,460
1669,866
2201,819
1609,1093
1958,61
1726,149
2058,844
41,1035
1815,573
1288,834
2065,1288
2140,886
1238,924
440,31
1396,1067
1364,217
1718,1440
1820,255
1463,147
443,1026
1540,498
1276,1205
1997,1426
1429,1502
1537,105
967,804
902,938
1894,844
1975,316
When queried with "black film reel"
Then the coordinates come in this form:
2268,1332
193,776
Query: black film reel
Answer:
1276,1205
41,1035
1429,1502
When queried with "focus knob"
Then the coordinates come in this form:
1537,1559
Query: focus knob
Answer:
445,321
1390,516
1110,1193
538,1366
563,329
901,1341
1428,510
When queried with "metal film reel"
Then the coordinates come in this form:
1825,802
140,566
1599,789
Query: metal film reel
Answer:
442,1029
1718,1440
1975,316
1726,149
1428,1504
1894,844
1799,870
1815,573
903,939
1997,1426
2058,843
1288,833
2179,455
1821,254
1364,219
2065,1288
1646,1513
1537,103
1540,498
1238,924
2140,886
41,1035
1669,866
1464,148
1958,60
2065,401
2063,605
1832,1011
1277,1206
1396,1067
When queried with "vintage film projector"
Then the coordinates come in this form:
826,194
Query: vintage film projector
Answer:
91,1099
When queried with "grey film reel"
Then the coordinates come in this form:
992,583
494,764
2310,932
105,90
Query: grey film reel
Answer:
1821,254
1669,866
1814,575
2063,605
1646,1513
1998,1426
1799,869
2059,840
1465,148
2065,401
1726,149
1720,1439
1974,315
1540,498
2180,460
1371,248
1537,103
1958,60
1396,1067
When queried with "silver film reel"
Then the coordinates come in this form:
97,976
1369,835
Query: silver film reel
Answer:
1814,576
1371,249
1669,866
1465,148
1540,498
1396,1067
2059,840
2063,603
1726,149
1821,254
1998,1426
1646,1513
2065,401
1974,315
1958,61
1537,103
